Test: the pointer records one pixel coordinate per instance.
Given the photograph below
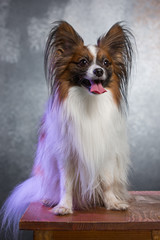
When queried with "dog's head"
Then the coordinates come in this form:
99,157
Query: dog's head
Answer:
97,68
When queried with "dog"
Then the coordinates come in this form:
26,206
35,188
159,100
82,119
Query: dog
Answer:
82,157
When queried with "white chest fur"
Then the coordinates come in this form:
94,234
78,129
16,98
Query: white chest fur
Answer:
96,131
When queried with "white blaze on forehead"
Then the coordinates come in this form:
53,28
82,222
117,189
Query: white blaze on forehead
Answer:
89,74
93,51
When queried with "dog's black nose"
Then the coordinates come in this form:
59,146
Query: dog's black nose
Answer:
98,72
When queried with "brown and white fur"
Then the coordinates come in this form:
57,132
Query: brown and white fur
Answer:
82,156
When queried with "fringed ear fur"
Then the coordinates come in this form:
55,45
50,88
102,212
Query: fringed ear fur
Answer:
118,43
61,44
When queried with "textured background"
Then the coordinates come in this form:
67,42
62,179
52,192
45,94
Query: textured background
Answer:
24,25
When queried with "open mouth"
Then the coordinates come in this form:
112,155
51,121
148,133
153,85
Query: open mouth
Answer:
94,86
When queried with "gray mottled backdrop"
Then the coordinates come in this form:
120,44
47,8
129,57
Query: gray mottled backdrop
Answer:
24,25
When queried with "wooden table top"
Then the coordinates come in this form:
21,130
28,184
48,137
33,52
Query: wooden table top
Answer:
143,214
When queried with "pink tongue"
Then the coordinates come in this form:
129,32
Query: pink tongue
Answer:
97,88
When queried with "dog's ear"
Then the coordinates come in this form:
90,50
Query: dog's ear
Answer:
61,44
63,39
117,42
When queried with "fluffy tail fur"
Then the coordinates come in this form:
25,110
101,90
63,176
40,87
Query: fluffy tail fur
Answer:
16,204
36,188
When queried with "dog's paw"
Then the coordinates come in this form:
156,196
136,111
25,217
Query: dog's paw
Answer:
118,205
61,210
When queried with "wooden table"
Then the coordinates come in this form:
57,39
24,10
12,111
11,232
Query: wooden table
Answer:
140,222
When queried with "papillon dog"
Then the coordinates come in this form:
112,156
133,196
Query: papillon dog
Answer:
82,155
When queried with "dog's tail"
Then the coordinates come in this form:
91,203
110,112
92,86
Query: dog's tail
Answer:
17,202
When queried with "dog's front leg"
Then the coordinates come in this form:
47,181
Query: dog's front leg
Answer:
113,200
66,185
114,187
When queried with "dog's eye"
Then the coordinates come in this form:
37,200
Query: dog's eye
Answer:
106,62
83,62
